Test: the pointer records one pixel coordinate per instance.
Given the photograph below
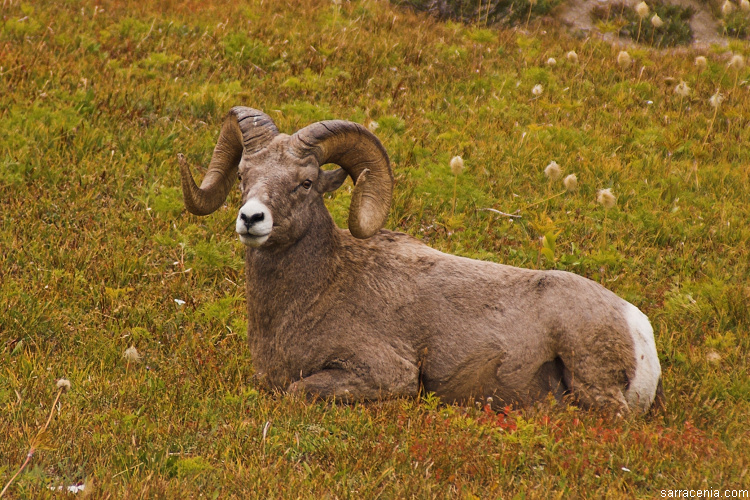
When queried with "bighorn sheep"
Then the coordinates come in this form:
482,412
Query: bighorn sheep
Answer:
370,313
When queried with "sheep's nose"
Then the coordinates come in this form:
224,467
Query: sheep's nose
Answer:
251,220
254,223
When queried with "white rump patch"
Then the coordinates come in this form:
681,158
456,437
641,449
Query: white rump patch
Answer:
640,395
254,223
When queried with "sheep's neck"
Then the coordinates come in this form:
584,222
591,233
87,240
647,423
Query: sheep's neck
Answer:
282,284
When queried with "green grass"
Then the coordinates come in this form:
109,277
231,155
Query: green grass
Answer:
675,31
96,100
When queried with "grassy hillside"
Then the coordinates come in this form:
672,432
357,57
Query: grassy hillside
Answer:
99,255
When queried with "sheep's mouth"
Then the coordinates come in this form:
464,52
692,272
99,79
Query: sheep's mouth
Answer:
253,240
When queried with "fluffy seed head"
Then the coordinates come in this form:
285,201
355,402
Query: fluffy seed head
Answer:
63,384
623,59
538,89
656,21
716,99
571,183
132,354
701,63
737,62
553,171
642,10
572,56
372,125
551,61
745,5
457,165
727,8
605,198
682,89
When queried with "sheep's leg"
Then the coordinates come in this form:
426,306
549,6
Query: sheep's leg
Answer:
348,386
588,394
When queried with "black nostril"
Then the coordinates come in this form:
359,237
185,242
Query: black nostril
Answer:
253,219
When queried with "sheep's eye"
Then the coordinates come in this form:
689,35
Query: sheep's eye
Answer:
307,184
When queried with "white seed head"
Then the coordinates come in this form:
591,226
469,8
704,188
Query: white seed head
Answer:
537,90
623,59
642,10
553,171
745,5
716,99
713,357
572,56
737,62
551,61
457,165
571,183
701,63
656,21
682,89
605,198
132,354
372,125
727,8
63,384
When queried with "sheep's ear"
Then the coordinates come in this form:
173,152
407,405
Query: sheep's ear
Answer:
331,180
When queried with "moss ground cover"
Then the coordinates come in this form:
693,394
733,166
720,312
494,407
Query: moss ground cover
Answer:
98,254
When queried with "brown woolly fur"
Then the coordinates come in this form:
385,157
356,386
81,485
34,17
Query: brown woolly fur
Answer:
383,315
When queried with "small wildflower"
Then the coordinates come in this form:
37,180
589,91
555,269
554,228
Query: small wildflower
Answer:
553,171
132,354
537,90
63,384
716,99
551,61
623,59
713,357
701,62
642,10
727,8
372,125
737,62
656,21
605,198
571,183
457,165
682,89
745,5
572,56
179,302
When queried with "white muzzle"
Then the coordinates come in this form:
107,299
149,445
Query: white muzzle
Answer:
254,223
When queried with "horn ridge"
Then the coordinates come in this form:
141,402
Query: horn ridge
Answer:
238,137
359,152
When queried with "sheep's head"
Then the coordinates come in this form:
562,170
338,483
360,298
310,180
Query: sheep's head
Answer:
280,176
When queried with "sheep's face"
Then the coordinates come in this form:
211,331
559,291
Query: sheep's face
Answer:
280,195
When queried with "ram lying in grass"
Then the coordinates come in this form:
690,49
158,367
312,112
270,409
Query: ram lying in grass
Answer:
369,313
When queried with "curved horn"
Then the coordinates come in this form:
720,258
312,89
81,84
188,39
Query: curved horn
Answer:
244,130
363,157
